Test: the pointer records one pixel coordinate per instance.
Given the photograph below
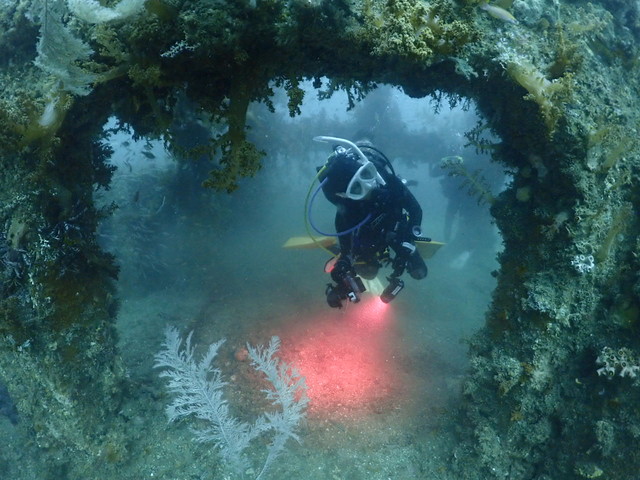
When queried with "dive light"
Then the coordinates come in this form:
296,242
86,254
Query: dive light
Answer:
393,289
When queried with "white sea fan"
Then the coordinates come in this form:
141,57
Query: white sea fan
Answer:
197,389
60,51
289,392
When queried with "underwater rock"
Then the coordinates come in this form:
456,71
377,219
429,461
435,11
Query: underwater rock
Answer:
559,88
7,407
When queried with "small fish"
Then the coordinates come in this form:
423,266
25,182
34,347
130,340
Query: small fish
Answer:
498,12
148,154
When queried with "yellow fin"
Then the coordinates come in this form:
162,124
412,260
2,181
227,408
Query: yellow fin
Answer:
428,249
308,242
373,286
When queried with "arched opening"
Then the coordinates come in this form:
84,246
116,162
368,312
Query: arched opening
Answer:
214,263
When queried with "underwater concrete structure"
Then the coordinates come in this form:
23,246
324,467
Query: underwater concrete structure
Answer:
553,388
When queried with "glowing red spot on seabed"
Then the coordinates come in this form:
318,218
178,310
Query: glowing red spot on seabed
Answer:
346,357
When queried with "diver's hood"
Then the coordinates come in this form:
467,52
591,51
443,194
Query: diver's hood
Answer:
365,179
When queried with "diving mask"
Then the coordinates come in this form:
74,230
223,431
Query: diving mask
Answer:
366,177
363,181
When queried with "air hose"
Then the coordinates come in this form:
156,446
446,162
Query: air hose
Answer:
308,221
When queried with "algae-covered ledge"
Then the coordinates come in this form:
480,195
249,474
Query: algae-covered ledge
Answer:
557,81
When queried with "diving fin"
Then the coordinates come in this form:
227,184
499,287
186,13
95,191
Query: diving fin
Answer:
309,242
373,286
425,246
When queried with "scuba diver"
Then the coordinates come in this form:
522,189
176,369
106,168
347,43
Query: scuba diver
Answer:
377,219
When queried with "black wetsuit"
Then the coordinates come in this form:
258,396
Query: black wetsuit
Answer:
392,212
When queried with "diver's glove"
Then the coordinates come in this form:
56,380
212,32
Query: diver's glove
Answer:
403,252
